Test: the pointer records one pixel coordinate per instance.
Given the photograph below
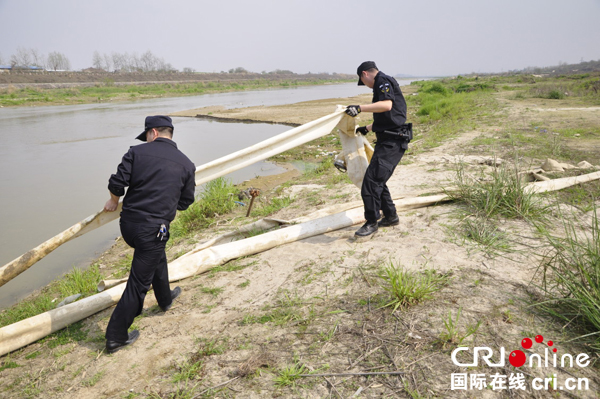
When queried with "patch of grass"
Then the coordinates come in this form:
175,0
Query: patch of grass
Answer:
581,196
209,347
326,165
448,107
501,194
93,380
32,355
583,87
8,363
289,375
452,333
217,198
27,308
414,393
273,205
188,370
485,233
71,333
80,281
286,310
539,142
123,266
31,388
244,284
570,277
254,232
187,391
233,266
329,334
407,287
214,291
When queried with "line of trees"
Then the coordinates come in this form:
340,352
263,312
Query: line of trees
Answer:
113,62
126,62
28,57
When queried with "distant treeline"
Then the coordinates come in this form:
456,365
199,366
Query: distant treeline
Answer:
562,69
29,59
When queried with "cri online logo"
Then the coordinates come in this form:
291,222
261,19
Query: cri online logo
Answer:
517,358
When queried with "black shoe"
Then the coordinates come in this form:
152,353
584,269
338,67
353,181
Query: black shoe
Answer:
366,230
113,346
389,221
174,294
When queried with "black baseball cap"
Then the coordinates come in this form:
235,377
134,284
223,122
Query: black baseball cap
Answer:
365,66
155,121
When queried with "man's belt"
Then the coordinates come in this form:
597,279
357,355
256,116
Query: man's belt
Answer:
404,133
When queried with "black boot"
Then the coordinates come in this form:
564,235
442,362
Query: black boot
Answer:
366,230
113,346
389,221
174,294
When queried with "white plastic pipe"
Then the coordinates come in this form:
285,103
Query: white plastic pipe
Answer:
17,335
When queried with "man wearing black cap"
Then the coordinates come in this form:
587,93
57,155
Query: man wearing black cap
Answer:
161,181
389,117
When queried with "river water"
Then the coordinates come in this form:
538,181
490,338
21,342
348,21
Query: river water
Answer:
55,162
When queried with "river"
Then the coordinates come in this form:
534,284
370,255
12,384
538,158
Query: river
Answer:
55,162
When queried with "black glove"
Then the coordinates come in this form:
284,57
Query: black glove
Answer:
353,110
362,130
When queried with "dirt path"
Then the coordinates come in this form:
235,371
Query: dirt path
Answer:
316,303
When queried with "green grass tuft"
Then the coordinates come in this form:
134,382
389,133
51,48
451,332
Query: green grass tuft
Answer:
570,274
501,194
407,287
217,198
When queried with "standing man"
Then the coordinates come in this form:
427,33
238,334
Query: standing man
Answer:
160,180
393,134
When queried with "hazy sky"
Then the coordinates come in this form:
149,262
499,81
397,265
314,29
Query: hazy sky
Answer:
418,37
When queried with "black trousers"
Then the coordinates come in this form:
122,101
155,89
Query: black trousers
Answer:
374,192
148,268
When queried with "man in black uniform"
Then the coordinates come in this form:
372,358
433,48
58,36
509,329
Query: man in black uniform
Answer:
389,117
160,180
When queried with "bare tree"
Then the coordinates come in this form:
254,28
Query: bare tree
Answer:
97,60
148,62
108,62
238,70
21,58
131,62
135,64
119,61
1,59
58,61
37,58
165,66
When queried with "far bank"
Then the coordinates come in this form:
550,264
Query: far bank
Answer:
60,88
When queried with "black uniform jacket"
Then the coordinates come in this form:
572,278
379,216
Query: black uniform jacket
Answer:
386,88
160,180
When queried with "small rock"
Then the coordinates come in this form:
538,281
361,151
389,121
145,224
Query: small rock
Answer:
68,300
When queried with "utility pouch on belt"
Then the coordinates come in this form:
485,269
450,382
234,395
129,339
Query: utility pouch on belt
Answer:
405,132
